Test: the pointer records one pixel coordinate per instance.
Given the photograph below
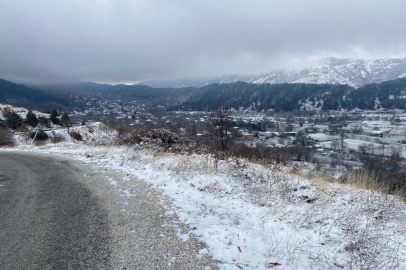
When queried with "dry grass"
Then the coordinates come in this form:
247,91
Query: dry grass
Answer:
365,180
57,138
362,180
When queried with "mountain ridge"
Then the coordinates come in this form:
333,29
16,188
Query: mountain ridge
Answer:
352,72
260,97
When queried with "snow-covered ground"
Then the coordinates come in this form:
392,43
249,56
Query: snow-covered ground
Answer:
92,134
354,144
322,137
258,217
255,216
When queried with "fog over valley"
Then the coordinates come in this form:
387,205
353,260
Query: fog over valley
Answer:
131,41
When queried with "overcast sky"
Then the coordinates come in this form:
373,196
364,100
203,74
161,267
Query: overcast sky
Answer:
124,41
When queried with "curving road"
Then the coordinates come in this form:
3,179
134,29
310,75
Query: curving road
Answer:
58,213
48,219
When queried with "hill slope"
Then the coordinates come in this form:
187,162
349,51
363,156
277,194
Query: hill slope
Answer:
20,95
122,92
288,97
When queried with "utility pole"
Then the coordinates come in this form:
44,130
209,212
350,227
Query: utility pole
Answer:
35,136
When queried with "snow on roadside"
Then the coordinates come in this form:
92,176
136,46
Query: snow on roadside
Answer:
253,217
92,134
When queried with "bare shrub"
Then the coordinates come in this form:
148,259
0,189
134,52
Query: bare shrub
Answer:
57,138
43,121
369,244
348,167
90,129
41,135
76,136
6,137
369,248
7,112
319,166
163,137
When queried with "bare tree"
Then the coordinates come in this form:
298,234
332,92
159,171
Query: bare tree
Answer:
221,130
335,144
371,148
383,149
363,148
342,142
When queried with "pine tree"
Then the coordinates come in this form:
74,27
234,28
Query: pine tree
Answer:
65,119
54,117
31,119
14,121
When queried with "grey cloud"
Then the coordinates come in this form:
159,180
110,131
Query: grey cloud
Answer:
128,41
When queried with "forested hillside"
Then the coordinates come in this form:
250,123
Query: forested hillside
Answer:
389,94
286,97
279,97
20,95
289,97
123,92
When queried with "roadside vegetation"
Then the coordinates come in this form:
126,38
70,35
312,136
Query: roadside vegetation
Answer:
378,170
370,166
6,137
32,125
341,211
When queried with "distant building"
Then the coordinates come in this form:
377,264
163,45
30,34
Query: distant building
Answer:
247,135
335,126
268,134
397,122
161,109
291,134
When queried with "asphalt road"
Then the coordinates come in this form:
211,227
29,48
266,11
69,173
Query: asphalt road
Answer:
48,219
61,213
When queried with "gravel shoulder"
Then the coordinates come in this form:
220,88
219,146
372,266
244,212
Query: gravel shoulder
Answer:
65,214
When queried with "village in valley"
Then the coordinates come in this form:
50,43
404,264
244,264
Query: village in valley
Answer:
340,141
326,133
308,161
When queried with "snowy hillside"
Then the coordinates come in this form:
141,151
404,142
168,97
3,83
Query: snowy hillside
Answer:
353,72
259,217
22,112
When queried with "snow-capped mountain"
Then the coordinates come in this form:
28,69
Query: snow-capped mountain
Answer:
353,72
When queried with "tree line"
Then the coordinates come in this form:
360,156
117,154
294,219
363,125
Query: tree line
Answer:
15,121
292,97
